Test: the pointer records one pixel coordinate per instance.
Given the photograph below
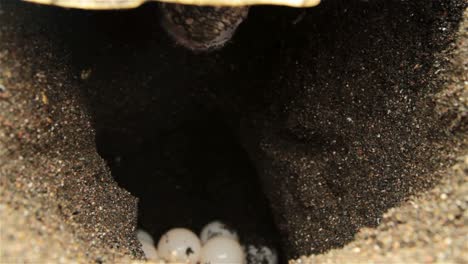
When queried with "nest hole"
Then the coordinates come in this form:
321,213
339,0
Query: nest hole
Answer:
189,177
166,118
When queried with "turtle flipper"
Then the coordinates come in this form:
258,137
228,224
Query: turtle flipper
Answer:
201,28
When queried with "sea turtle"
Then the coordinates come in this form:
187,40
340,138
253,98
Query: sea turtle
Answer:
199,25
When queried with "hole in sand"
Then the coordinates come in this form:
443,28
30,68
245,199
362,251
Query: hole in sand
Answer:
358,69
189,177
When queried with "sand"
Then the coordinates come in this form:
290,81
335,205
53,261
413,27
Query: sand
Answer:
352,114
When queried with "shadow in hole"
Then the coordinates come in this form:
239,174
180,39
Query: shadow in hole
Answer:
190,176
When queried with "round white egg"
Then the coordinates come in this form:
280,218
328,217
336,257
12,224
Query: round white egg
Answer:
261,254
217,228
179,245
222,250
150,251
147,245
142,235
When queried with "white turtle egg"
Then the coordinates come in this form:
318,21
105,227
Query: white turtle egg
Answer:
261,254
150,251
142,235
179,245
217,228
147,245
222,250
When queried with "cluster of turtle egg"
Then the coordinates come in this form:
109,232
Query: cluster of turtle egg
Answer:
217,244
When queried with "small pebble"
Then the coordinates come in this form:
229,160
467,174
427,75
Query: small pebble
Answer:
85,74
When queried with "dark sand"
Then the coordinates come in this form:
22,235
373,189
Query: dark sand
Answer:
352,114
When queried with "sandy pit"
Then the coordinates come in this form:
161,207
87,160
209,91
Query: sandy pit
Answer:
334,134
